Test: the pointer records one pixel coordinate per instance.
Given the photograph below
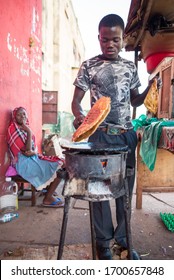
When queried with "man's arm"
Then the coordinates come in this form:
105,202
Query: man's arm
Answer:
137,99
76,106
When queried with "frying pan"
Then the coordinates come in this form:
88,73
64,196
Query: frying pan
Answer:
88,147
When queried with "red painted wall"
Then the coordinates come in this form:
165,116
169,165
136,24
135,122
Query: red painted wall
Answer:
20,67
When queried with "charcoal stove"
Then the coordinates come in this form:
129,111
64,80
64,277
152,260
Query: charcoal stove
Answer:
96,172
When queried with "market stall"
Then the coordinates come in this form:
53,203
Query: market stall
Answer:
150,33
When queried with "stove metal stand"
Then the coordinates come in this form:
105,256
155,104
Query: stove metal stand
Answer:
96,177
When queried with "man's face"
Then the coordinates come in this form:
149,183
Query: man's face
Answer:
111,41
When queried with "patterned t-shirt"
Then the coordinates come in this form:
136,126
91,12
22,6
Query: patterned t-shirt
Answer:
113,78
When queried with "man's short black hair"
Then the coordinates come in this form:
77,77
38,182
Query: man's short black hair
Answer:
110,21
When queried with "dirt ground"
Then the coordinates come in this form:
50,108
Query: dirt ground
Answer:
35,234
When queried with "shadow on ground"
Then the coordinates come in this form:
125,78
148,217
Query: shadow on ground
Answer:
35,234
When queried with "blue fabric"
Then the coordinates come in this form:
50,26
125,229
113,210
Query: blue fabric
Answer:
35,170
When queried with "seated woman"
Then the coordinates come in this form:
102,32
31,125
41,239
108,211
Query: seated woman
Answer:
39,170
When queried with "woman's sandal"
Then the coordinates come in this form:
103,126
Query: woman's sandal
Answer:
55,204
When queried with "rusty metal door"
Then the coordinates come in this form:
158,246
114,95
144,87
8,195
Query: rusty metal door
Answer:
49,107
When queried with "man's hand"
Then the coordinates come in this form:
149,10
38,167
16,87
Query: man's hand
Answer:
159,82
78,121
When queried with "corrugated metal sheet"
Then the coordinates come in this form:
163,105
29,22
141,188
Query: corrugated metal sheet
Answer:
138,32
